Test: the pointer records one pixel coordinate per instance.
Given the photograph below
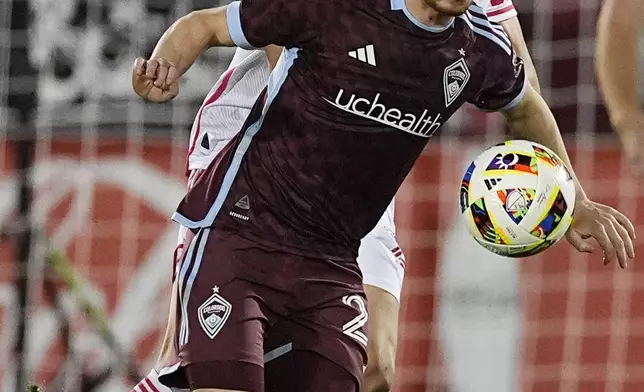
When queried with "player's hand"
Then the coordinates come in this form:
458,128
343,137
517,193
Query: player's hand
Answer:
631,131
610,228
155,80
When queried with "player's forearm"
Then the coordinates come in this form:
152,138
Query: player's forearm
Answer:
532,120
513,28
192,35
617,56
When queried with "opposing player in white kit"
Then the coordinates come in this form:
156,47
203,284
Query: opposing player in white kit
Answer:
380,258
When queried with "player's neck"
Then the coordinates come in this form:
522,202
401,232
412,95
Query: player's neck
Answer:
426,14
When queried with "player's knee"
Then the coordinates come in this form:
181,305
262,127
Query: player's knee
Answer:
379,376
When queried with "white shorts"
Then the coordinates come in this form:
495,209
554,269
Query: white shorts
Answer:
380,258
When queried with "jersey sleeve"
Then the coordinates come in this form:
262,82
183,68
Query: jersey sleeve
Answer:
254,24
505,83
239,56
499,10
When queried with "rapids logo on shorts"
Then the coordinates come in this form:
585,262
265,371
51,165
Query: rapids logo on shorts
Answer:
213,313
455,77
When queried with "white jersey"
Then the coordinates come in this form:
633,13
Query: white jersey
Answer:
498,10
226,106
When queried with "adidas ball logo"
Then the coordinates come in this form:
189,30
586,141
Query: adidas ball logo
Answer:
491,183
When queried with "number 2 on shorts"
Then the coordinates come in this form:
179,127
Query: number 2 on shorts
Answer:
354,327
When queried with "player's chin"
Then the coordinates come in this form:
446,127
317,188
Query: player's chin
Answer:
453,7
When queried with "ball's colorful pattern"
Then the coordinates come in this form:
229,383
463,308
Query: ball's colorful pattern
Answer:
517,198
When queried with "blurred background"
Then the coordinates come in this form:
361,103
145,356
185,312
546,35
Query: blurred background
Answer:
89,176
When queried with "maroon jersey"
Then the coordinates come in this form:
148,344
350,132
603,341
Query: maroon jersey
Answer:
360,89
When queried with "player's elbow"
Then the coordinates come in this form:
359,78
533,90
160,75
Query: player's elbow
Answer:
379,376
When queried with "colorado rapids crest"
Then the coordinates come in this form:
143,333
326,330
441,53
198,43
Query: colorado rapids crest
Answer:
455,77
213,313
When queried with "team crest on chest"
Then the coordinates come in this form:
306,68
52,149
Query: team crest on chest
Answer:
213,313
455,77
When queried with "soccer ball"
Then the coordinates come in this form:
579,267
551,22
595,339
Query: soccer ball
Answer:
517,198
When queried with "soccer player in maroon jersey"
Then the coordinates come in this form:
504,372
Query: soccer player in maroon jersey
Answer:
620,57
380,258
357,93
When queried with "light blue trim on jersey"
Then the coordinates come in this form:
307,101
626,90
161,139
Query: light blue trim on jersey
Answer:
401,5
275,82
233,18
517,100
492,37
480,22
514,102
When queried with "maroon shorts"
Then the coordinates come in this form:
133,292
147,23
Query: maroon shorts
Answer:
239,300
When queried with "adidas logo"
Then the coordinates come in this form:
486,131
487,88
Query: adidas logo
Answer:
205,142
243,203
491,182
366,55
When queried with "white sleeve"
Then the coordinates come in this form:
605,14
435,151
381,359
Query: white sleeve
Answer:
239,56
380,258
498,10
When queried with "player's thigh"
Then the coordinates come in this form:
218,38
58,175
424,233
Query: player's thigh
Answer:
221,326
334,326
307,371
383,310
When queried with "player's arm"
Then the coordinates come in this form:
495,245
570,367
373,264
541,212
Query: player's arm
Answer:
621,22
383,310
506,89
531,119
156,79
618,29
249,25
513,28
